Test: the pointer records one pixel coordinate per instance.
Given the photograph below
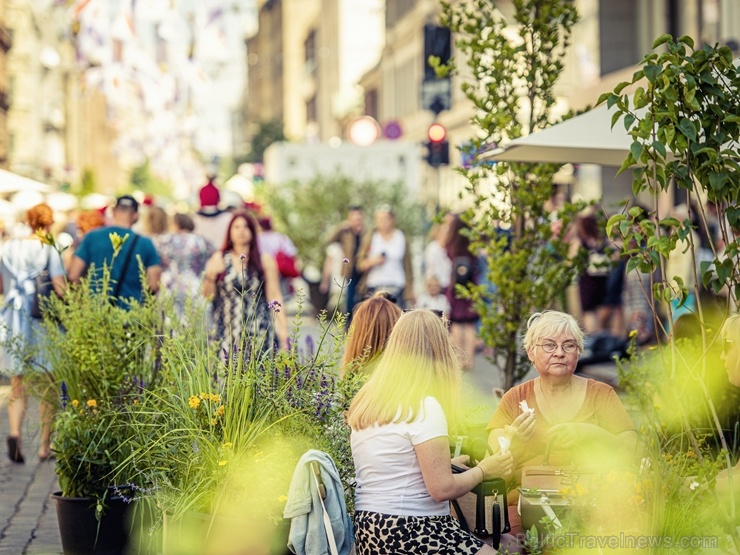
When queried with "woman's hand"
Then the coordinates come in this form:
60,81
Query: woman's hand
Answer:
498,466
462,461
215,265
524,424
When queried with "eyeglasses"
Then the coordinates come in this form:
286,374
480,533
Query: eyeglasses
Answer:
569,347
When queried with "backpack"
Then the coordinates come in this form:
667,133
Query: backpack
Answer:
462,270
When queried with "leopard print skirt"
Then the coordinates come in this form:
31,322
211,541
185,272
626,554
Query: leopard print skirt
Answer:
379,534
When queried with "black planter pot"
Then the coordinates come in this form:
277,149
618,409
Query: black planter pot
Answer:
81,532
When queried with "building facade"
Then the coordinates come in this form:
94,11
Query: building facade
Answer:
57,131
608,41
305,62
5,45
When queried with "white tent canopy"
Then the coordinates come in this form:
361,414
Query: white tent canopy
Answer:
584,139
12,183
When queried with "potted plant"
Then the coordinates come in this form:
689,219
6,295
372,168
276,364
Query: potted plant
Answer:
94,361
216,445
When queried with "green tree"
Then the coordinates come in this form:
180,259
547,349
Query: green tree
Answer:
683,116
268,132
143,179
308,212
513,69
87,182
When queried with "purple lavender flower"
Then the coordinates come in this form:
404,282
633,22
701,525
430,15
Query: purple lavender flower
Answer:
65,395
274,306
345,260
242,257
309,345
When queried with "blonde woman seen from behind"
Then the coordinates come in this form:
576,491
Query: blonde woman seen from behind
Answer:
400,446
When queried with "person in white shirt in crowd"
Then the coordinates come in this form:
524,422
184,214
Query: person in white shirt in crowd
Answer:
385,258
434,297
210,221
400,446
436,262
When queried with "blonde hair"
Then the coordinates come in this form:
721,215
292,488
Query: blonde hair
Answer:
156,220
419,361
372,322
548,324
39,217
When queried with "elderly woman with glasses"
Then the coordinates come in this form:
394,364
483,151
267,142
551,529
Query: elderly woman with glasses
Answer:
572,411
730,335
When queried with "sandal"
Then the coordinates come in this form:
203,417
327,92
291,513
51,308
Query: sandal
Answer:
14,450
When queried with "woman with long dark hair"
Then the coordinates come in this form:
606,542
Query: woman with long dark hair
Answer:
244,287
463,318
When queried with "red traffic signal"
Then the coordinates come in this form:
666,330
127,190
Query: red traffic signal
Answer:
436,133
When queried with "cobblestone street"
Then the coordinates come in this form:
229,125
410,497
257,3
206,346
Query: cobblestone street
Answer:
28,523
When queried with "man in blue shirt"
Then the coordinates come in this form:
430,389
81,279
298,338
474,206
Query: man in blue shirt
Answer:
97,249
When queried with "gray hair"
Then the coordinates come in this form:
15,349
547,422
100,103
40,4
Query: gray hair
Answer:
551,323
731,328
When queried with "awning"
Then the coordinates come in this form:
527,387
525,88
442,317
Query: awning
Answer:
584,139
12,183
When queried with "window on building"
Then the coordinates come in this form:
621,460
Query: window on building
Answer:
395,10
310,52
311,114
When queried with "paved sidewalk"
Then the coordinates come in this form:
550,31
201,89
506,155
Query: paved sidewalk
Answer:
28,522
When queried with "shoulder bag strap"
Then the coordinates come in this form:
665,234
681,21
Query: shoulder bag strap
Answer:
315,472
119,282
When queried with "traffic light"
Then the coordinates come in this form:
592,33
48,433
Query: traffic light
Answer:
438,149
438,43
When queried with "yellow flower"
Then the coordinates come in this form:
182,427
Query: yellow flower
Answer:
227,445
117,241
283,498
92,403
194,401
220,411
213,421
633,333
75,403
222,463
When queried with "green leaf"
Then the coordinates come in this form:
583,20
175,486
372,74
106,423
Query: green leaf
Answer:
603,97
652,72
686,127
620,87
670,134
639,98
660,148
614,220
632,263
629,119
629,161
636,150
687,40
662,39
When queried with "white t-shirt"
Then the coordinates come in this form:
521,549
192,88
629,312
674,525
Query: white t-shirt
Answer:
437,264
390,273
389,478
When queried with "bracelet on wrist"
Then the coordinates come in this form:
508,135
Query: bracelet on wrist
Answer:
482,473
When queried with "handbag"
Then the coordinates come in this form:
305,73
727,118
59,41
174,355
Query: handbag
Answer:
43,287
543,500
484,507
286,265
